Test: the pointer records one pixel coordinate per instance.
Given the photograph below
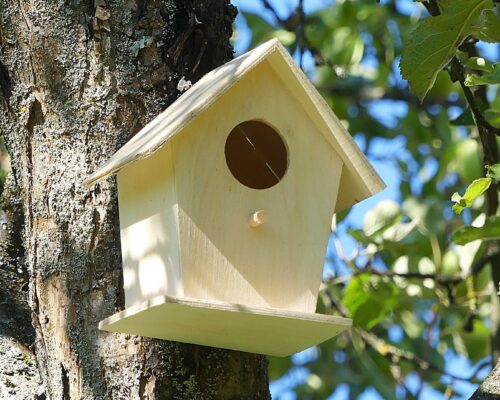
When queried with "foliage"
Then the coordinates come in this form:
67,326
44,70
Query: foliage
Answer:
489,231
418,283
475,189
435,41
491,76
493,172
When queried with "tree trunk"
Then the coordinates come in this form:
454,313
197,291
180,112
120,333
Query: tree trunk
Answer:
77,79
490,388
19,377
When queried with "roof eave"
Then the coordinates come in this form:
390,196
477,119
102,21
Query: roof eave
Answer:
155,127
340,139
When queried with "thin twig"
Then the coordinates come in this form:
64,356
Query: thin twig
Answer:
297,25
395,354
269,7
395,93
388,350
478,266
301,35
427,348
447,282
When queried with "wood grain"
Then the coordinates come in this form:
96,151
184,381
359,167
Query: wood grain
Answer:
230,326
149,228
278,265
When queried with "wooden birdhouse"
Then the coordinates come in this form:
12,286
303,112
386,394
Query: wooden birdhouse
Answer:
225,204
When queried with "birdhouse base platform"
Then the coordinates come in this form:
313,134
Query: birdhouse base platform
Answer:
225,325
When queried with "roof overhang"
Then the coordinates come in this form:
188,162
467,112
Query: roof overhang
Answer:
359,180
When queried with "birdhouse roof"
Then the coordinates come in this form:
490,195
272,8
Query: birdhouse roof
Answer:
359,180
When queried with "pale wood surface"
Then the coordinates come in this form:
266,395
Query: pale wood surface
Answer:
149,228
255,330
278,265
360,178
257,219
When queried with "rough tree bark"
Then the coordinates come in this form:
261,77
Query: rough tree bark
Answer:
490,388
77,79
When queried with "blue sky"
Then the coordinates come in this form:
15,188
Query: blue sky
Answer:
387,112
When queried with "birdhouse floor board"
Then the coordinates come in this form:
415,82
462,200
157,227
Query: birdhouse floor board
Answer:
231,326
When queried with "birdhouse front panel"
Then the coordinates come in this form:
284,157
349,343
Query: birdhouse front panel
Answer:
255,150
149,231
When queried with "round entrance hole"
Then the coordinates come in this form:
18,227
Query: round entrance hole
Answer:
256,155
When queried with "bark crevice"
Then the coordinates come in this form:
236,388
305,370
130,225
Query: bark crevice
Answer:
65,383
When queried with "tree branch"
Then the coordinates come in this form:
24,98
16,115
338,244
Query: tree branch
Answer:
396,354
301,35
269,7
371,93
296,23
478,266
490,388
445,281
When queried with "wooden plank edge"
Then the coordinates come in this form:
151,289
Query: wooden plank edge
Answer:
223,306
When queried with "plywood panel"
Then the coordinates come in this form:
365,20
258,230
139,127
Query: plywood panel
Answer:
229,326
149,232
279,264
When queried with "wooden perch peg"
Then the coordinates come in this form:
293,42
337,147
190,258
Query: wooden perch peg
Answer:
257,218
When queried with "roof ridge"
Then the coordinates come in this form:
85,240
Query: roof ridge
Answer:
214,84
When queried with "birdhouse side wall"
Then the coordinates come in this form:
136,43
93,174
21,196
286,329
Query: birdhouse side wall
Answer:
148,224
280,263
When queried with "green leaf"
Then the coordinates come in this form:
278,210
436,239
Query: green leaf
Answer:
359,235
433,43
374,373
398,232
488,78
479,63
489,231
287,38
279,366
488,29
449,264
261,29
412,325
493,117
475,189
468,161
477,342
370,299
493,172
443,129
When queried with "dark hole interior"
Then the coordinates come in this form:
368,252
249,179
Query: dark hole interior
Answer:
256,155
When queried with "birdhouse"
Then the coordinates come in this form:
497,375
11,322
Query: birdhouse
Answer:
225,202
